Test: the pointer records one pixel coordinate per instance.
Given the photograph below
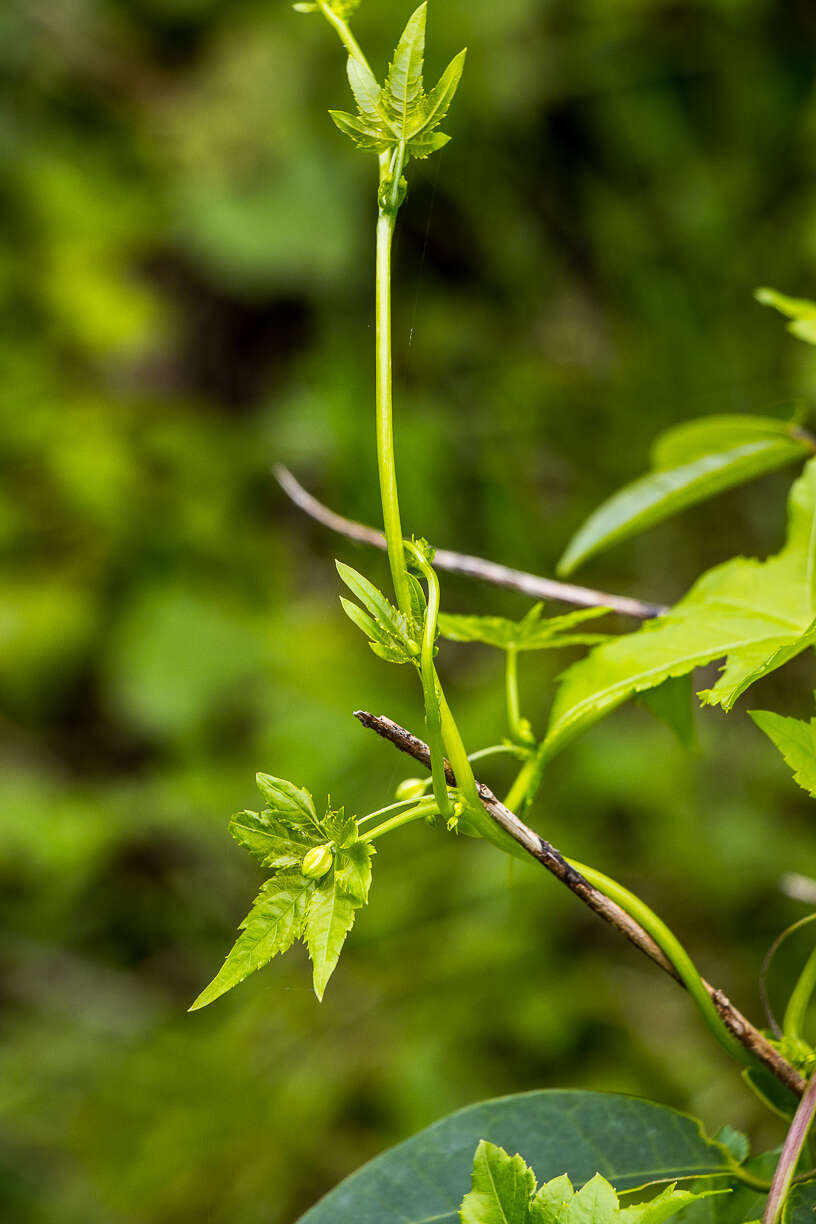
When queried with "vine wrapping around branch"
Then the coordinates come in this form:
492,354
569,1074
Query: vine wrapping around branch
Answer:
472,567
749,1037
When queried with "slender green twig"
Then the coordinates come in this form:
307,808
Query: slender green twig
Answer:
431,688
423,809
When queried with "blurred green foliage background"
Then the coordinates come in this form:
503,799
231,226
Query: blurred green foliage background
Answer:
186,286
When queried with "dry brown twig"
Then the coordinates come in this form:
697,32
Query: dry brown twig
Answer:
472,567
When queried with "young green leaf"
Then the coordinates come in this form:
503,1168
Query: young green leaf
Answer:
695,462
403,94
366,92
755,614
501,1188
291,804
437,103
273,924
330,918
503,1191
385,626
270,841
671,702
801,311
530,633
367,138
796,740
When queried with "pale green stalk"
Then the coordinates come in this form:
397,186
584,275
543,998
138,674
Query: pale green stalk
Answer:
512,691
426,807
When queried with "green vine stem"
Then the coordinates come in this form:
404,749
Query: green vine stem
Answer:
430,682
423,809
668,943
385,428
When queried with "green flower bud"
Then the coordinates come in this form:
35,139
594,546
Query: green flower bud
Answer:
317,862
411,788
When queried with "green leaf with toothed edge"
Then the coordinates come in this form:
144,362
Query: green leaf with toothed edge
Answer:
796,740
402,94
331,916
530,633
269,841
755,614
273,924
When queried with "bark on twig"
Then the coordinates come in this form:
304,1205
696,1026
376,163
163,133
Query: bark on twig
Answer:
472,567
543,852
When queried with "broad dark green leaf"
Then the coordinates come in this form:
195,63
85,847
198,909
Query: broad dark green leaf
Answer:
273,924
755,614
630,1142
801,311
692,463
796,740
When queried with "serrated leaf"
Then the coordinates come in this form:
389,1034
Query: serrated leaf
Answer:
402,93
353,871
291,804
796,740
503,1192
366,137
392,652
501,1188
437,103
366,90
423,146
275,921
373,600
694,462
340,828
550,1202
269,841
755,614
530,633
634,1142
419,606
330,918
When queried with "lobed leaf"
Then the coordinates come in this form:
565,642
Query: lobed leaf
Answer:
366,90
366,137
694,462
271,842
530,633
503,1191
757,615
796,740
273,924
383,624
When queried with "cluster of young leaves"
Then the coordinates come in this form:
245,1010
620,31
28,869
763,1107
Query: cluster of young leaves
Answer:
530,633
400,113
756,615
322,876
503,1191
389,633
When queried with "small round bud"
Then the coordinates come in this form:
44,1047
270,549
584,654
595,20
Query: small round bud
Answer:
317,862
411,788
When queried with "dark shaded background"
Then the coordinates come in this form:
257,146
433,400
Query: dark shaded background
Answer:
185,277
